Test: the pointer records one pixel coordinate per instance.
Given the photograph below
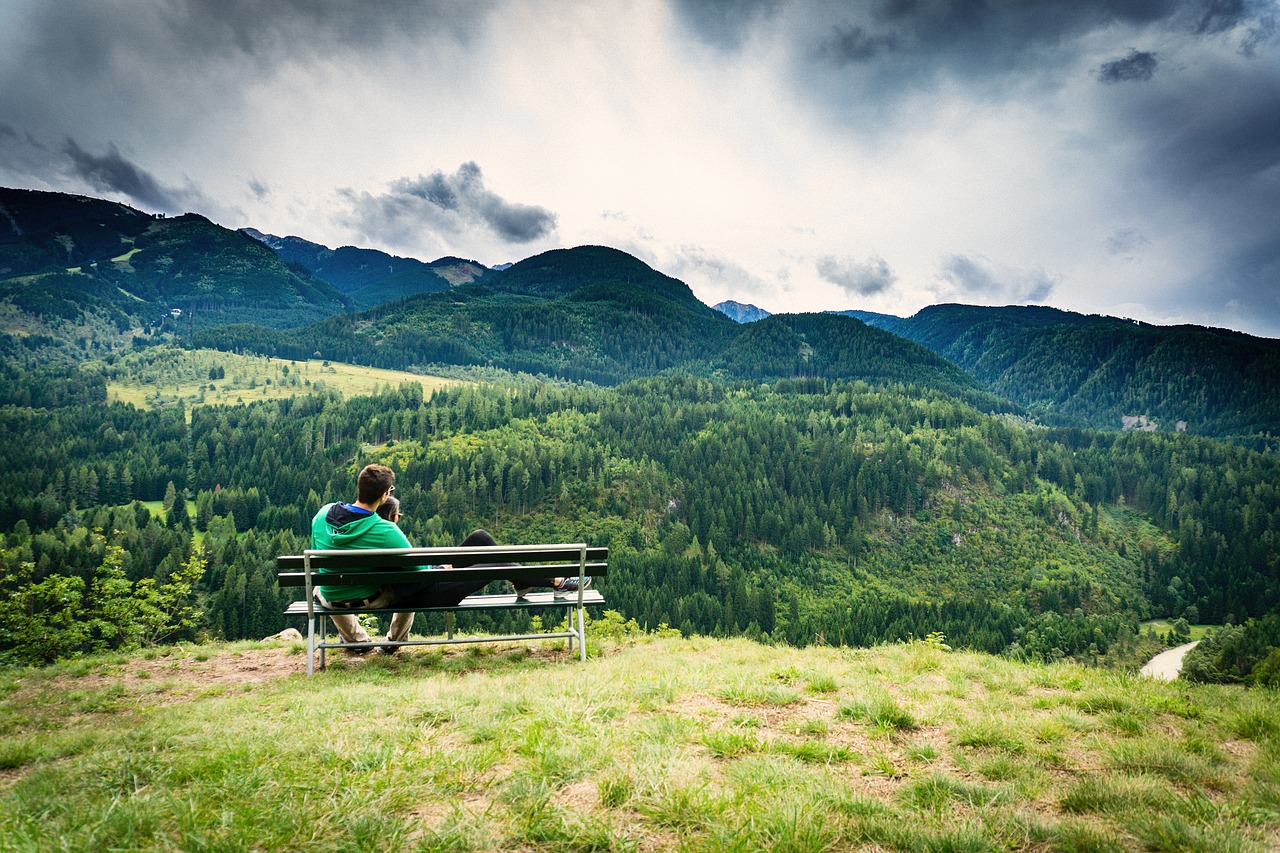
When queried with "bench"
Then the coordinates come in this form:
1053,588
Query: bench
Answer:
404,565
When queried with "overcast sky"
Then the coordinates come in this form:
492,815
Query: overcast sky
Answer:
1118,157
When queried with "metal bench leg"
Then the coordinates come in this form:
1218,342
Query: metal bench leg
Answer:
311,647
448,624
582,635
324,641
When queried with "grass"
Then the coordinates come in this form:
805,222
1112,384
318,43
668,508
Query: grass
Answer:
1164,626
691,744
151,379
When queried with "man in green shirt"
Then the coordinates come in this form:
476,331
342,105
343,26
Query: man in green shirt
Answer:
340,526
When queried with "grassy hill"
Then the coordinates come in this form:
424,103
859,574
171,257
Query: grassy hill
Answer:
653,744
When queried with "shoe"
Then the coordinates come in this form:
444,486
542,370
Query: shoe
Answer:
568,587
388,650
522,591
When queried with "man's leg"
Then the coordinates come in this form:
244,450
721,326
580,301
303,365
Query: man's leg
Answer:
350,629
401,623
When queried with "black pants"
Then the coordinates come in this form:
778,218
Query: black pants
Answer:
448,593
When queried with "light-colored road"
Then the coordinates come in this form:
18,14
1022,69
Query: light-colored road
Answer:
1166,665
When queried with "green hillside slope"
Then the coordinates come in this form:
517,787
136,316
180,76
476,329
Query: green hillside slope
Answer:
599,314
653,744
75,268
1073,369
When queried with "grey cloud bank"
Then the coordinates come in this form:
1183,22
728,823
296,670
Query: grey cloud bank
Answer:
1112,157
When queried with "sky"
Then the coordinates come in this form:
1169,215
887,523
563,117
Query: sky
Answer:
1117,158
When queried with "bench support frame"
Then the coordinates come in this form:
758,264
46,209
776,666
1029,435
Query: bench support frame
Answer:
318,643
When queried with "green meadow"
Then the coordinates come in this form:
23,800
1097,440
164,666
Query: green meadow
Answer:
652,744
165,375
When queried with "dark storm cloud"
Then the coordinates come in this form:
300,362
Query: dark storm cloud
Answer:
84,36
112,173
724,23
98,72
1221,15
864,278
855,45
890,47
448,205
1138,65
915,42
1213,141
979,279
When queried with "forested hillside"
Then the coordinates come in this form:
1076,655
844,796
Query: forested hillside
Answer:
800,511
1073,369
82,271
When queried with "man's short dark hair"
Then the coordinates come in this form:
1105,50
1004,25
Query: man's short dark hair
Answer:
374,482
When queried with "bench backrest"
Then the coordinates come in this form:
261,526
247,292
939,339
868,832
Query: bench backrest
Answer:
406,565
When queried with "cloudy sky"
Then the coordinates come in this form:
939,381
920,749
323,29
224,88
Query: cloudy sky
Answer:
1106,157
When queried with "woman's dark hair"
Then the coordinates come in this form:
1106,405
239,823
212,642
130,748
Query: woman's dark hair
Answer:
390,508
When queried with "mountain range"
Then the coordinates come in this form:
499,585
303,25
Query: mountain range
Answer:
75,269
368,276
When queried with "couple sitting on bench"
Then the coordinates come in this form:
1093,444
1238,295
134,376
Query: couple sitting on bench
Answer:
370,523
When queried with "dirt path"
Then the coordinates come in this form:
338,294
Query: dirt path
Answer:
1166,665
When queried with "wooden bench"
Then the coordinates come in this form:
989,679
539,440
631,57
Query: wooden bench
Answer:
404,565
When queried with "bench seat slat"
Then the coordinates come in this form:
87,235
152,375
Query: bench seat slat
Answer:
341,578
458,557
506,601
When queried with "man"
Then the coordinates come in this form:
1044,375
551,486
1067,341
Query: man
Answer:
339,526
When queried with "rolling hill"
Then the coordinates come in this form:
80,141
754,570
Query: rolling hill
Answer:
71,266
1073,369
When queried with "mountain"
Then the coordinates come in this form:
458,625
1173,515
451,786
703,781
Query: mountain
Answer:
600,314
590,313
739,312
888,322
71,263
1074,369
371,277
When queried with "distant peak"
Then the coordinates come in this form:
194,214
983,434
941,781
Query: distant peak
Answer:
741,312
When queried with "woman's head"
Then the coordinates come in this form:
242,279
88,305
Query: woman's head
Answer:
390,509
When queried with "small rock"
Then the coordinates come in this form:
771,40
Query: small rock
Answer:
286,634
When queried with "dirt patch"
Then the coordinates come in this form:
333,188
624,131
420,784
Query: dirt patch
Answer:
171,675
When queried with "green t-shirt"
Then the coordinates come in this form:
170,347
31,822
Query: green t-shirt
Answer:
361,531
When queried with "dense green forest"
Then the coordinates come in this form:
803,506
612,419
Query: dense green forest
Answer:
1089,370
797,511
